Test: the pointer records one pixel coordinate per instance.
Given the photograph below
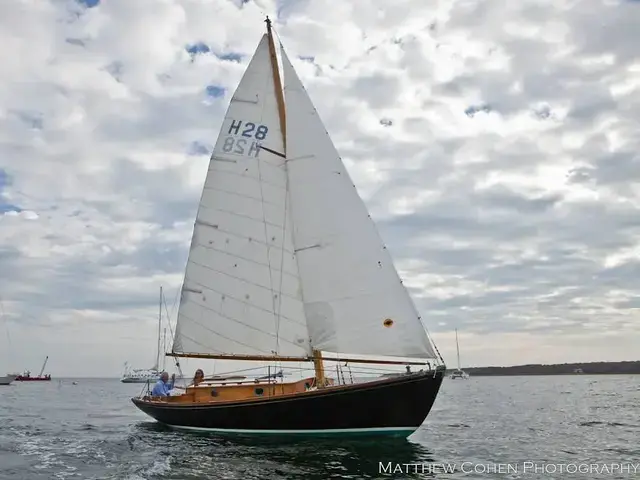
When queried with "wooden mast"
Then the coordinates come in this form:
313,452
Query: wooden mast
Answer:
317,354
277,84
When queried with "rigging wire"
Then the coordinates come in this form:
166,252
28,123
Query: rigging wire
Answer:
171,334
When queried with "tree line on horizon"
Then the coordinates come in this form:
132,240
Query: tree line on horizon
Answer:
600,368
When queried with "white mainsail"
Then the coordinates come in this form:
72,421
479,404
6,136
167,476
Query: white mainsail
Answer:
241,292
284,257
353,297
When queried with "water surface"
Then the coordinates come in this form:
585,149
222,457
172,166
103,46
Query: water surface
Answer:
56,430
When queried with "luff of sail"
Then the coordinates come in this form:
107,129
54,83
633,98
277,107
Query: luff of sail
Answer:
354,299
241,291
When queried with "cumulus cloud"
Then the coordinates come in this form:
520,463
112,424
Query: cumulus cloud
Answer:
495,143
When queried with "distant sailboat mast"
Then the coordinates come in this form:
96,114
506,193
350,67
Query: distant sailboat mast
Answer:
164,347
458,349
157,365
458,372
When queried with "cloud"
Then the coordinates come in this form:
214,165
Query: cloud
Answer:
496,147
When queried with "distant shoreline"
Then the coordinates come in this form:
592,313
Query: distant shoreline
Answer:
592,368
584,368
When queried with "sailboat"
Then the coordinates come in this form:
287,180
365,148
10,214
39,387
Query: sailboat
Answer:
286,265
458,373
139,375
144,375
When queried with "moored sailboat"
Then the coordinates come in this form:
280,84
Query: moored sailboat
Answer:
139,375
286,265
145,375
458,372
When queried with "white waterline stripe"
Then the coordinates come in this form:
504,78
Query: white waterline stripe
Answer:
327,430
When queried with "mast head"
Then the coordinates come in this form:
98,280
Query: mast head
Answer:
268,22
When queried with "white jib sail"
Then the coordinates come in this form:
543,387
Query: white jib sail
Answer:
353,297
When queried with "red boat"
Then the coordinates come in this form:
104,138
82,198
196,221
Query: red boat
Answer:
26,376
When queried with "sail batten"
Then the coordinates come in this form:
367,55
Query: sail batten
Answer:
354,300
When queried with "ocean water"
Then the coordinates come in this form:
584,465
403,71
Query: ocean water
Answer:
502,427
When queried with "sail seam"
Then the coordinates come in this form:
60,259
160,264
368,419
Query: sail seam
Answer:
233,320
219,334
256,179
255,262
216,189
301,249
222,336
247,304
244,302
239,278
215,333
302,157
199,343
265,222
222,159
237,235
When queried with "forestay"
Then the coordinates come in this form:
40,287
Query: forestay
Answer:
241,291
353,297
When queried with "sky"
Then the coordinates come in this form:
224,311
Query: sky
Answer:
495,144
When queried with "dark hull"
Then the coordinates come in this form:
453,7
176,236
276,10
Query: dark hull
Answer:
33,379
396,406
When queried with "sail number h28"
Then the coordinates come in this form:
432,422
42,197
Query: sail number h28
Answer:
238,145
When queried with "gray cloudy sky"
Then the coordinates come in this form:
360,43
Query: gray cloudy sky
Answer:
495,142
